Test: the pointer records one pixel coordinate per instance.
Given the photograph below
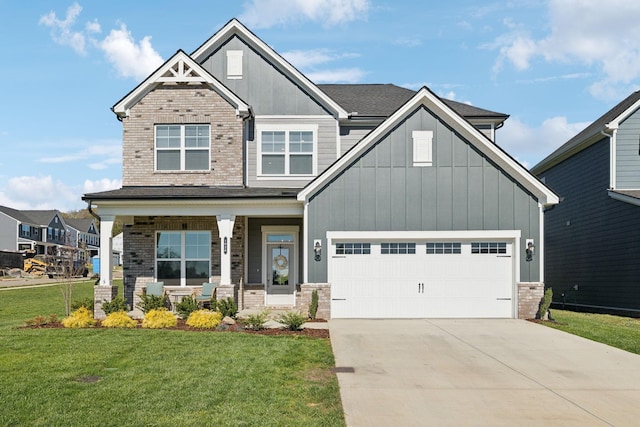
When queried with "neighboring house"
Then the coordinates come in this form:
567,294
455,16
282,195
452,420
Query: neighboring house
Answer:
117,248
83,234
42,231
238,169
45,232
593,236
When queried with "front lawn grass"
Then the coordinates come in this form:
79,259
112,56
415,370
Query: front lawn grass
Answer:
620,332
144,377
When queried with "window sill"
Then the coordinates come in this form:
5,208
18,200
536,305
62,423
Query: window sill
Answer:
189,172
284,177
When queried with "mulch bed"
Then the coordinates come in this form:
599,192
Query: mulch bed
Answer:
182,326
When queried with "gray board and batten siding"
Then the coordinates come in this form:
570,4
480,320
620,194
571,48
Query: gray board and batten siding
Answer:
263,86
382,191
628,153
325,150
592,242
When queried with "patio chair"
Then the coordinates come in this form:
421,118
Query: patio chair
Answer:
155,288
208,291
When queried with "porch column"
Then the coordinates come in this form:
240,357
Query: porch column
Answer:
106,248
225,229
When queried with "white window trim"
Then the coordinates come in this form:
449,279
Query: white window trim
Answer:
422,147
182,149
183,258
287,128
234,64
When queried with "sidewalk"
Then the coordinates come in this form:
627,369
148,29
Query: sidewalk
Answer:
29,282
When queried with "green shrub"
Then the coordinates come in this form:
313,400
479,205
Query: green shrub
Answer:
186,306
292,320
313,307
115,305
204,319
159,318
227,307
545,303
80,318
85,302
119,319
152,302
256,321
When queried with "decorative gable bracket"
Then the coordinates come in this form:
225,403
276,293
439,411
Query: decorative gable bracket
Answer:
181,72
180,68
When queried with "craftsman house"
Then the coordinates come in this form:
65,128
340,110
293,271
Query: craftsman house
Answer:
237,169
593,236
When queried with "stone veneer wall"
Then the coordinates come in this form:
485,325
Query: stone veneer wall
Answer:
529,296
182,104
303,299
140,245
100,294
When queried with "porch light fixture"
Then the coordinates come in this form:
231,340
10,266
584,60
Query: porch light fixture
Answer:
530,250
317,250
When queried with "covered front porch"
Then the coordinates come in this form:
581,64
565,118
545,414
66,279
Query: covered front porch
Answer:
252,250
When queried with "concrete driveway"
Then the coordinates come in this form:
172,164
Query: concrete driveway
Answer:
480,373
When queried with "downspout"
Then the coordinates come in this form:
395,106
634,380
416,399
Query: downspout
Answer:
612,156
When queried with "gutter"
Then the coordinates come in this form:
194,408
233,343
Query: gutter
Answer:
612,154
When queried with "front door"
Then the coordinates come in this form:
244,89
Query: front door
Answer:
280,274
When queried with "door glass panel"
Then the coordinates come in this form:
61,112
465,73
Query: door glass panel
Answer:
280,238
280,266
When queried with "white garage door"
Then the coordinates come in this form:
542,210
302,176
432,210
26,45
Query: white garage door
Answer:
412,279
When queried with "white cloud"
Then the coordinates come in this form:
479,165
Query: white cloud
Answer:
268,13
61,29
529,144
130,59
408,41
35,192
344,75
586,33
107,152
104,184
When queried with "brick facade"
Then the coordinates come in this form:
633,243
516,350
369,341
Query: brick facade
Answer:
303,299
182,104
140,245
529,296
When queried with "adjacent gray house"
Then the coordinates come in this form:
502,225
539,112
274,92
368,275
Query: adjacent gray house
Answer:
41,231
593,236
237,169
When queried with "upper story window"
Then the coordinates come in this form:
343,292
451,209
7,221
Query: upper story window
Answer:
287,152
182,147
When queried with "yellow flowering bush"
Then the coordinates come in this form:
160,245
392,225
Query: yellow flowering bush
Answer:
159,318
119,319
81,318
204,319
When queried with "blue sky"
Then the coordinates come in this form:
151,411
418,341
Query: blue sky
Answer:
553,66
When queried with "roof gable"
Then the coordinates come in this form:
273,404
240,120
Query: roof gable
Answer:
592,133
235,27
424,97
180,68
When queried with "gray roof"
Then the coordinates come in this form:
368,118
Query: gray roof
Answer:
80,224
188,192
382,100
34,217
587,136
629,193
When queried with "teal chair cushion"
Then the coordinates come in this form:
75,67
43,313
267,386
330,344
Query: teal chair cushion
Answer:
155,288
207,291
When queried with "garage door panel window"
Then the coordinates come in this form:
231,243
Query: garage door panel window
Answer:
444,248
488,248
353,249
397,248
